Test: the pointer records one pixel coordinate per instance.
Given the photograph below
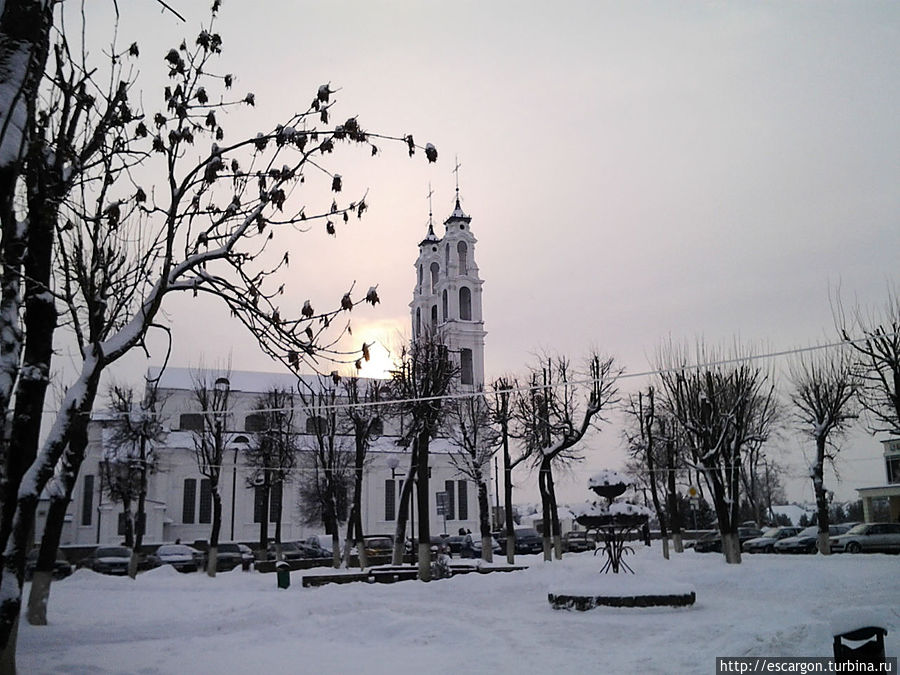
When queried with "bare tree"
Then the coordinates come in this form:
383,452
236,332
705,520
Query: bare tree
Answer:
330,460
475,442
271,458
824,390
123,247
502,412
212,392
365,419
555,415
723,406
420,383
875,337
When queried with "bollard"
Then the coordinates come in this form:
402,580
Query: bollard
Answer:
868,647
283,572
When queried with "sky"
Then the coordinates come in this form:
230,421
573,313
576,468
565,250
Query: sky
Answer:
635,171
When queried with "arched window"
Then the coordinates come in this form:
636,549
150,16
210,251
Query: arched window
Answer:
316,425
447,256
434,317
418,321
255,422
444,300
435,275
465,304
463,250
465,367
420,278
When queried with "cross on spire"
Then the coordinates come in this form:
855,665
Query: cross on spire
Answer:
430,220
456,171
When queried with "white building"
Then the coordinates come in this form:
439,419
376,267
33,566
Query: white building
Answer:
179,504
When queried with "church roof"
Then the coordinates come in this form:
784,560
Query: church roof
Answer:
431,237
458,214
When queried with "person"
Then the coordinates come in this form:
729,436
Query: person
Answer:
462,532
645,532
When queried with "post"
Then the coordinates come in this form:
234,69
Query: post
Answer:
496,518
233,489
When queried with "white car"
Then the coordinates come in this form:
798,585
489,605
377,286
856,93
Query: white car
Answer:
883,537
180,556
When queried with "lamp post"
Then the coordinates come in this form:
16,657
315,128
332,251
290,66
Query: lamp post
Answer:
393,463
238,444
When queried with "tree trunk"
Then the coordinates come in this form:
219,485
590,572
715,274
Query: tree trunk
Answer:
43,572
129,523
824,543
674,511
543,476
487,553
403,514
555,530
507,501
423,509
654,494
264,523
731,547
216,527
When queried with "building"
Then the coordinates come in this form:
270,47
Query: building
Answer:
891,489
179,505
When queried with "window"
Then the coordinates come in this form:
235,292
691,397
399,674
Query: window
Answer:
87,500
420,279
444,300
390,498
463,500
893,469
447,256
451,506
316,425
418,321
435,275
275,493
466,375
434,317
255,422
205,514
190,500
191,422
463,251
376,428
465,304
260,502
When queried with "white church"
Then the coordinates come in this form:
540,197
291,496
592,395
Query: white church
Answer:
446,299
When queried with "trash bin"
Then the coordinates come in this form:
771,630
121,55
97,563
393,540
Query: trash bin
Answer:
863,645
283,572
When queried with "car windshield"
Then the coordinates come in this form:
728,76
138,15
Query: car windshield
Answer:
771,532
577,535
229,548
810,531
380,542
527,533
113,552
862,528
174,549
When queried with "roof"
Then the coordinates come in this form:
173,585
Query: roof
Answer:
239,380
458,214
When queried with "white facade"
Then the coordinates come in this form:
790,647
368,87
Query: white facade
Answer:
178,505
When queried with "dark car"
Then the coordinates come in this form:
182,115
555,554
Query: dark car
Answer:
61,567
712,542
230,555
870,537
379,544
295,550
472,546
108,560
806,541
180,556
528,540
454,542
576,542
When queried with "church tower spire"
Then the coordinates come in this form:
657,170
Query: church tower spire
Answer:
447,296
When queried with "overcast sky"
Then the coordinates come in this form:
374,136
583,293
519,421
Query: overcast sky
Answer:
634,170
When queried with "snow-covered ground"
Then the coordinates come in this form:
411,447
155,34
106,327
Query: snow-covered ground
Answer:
166,622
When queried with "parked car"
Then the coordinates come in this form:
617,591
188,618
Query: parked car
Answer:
108,560
230,555
868,537
454,543
379,544
321,544
182,557
61,567
577,541
806,541
528,540
472,546
295,550
766,542
712,541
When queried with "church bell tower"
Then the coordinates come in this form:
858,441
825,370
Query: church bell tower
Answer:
447,297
